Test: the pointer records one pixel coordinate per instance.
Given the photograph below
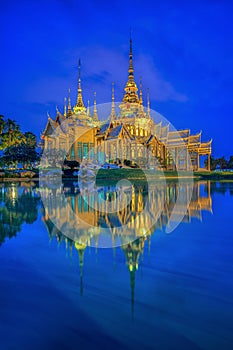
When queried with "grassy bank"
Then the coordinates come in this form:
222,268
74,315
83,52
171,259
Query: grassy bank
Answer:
138,174
133,174
214,175
143,175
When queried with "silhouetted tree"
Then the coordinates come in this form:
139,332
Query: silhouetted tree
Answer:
213,163
222,163
230,163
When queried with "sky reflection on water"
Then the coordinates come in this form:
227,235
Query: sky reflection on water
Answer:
171,291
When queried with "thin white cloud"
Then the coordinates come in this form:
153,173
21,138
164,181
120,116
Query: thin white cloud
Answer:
110,65
101,66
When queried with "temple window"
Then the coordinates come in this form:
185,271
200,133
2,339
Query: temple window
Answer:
91,147
72,152
85,150
80,150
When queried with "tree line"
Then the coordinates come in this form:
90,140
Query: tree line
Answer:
16,147
220,163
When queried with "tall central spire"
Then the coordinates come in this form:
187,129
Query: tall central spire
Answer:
131,87
79,107
131,57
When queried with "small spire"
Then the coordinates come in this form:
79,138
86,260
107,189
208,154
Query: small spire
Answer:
113,113
148,104
79,104
64,106
88,108
140,99
95,115
57,110
69,104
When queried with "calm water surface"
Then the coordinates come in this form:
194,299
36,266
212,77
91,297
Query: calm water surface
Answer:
156,290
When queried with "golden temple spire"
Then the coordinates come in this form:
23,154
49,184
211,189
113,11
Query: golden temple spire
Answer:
130,54
69,104
88,108
131,87
148,104
79,107
140,99
95,115
113,113
64,106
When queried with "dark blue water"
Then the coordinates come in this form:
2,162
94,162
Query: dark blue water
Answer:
180,296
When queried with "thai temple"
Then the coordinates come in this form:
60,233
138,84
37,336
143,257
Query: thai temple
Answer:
131,134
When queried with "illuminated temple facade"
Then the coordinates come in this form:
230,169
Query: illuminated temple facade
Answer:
131,134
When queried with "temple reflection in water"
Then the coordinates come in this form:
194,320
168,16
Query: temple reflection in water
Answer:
137,209
95,216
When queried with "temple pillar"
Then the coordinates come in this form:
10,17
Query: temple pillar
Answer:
198,161
105,148
187,159
75,150
45,142
176,158
45,149
67,145
120,149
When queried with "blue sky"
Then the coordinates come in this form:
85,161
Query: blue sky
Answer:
182,49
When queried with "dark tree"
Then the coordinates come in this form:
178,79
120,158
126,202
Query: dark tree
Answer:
230,163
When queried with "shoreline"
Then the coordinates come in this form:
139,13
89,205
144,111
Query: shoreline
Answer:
137,175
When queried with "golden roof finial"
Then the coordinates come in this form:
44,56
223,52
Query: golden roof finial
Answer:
88,108
64,106
113,113
79,104
131,87
140,99
95,115
148,104
69,104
